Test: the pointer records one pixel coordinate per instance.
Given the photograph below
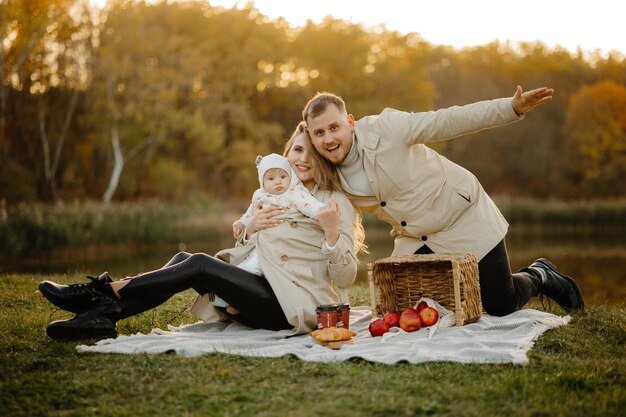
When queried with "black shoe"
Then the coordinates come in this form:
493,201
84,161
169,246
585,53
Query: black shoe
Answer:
77,298
92,324
557,286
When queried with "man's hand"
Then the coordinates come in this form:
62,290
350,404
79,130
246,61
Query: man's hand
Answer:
523,102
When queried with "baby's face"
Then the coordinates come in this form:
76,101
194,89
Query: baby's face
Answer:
276,181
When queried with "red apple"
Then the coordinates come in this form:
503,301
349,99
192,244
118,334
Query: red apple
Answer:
409,310
378,327
410,321
422,305
428,316
392,319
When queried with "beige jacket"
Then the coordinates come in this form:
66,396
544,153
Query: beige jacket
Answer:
424,196
292,261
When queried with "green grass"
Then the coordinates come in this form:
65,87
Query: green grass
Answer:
575,370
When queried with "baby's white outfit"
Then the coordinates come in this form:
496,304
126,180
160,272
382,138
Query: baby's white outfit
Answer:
296,199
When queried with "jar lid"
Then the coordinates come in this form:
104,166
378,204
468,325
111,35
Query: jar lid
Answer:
326,307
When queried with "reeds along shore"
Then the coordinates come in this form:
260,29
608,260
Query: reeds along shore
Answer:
37,227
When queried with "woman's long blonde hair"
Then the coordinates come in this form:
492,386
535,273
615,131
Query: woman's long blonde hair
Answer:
327,179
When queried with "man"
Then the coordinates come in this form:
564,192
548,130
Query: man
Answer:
433,204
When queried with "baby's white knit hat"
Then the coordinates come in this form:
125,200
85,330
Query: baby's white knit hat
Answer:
273,160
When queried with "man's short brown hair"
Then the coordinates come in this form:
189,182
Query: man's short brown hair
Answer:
317,105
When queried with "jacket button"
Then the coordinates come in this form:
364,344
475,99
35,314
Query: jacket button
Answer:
424,238
284,258
383,203
403,223
294,224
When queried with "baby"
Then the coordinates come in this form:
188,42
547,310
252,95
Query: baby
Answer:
279,187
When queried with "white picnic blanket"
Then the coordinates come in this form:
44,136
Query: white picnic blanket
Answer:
489,340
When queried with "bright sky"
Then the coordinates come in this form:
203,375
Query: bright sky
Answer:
588,24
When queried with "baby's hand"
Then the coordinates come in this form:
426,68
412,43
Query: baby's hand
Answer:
238,229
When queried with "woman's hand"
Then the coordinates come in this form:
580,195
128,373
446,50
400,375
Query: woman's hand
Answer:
328,218
261,219
238,228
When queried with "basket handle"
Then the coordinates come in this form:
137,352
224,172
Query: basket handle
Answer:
370,279
456,273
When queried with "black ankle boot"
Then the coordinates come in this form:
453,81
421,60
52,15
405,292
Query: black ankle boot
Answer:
559,287
96,323
77,298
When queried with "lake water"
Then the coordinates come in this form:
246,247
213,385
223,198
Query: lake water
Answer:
598,263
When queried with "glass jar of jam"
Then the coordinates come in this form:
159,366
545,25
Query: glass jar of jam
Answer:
326,316
343,315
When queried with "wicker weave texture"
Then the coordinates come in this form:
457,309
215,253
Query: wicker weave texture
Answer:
450,279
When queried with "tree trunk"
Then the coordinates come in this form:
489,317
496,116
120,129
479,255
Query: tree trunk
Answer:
50,164
66,125
118,165
48,185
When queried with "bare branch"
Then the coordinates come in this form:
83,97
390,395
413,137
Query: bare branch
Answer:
66,124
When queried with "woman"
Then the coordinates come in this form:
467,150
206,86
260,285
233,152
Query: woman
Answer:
300,258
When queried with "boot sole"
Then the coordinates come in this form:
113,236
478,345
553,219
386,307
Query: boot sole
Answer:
579,294
72,333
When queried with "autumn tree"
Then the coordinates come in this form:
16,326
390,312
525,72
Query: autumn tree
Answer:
595,131
145,87
168,99
44,52
525,158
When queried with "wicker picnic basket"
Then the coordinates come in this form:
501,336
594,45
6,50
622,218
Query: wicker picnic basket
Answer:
450,279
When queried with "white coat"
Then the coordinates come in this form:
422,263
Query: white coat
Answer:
300,274
425,197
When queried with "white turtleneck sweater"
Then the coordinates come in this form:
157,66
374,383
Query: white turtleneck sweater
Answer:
354,173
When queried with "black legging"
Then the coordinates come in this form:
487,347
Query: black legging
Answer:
501,291
251,294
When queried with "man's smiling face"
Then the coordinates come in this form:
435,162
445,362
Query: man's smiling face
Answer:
331,133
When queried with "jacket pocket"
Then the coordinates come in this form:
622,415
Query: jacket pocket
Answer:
386,181
447,206
303,276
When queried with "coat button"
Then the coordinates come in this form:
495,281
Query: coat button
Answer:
403,223
284,258
294,224
424,238
383,203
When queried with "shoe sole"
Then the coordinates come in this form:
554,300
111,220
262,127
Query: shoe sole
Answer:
59,302
72,333
579,294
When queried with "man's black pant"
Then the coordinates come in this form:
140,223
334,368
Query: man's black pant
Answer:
501,291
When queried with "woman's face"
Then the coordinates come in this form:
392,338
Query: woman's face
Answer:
301,160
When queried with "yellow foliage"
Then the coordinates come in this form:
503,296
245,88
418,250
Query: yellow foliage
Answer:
596,131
